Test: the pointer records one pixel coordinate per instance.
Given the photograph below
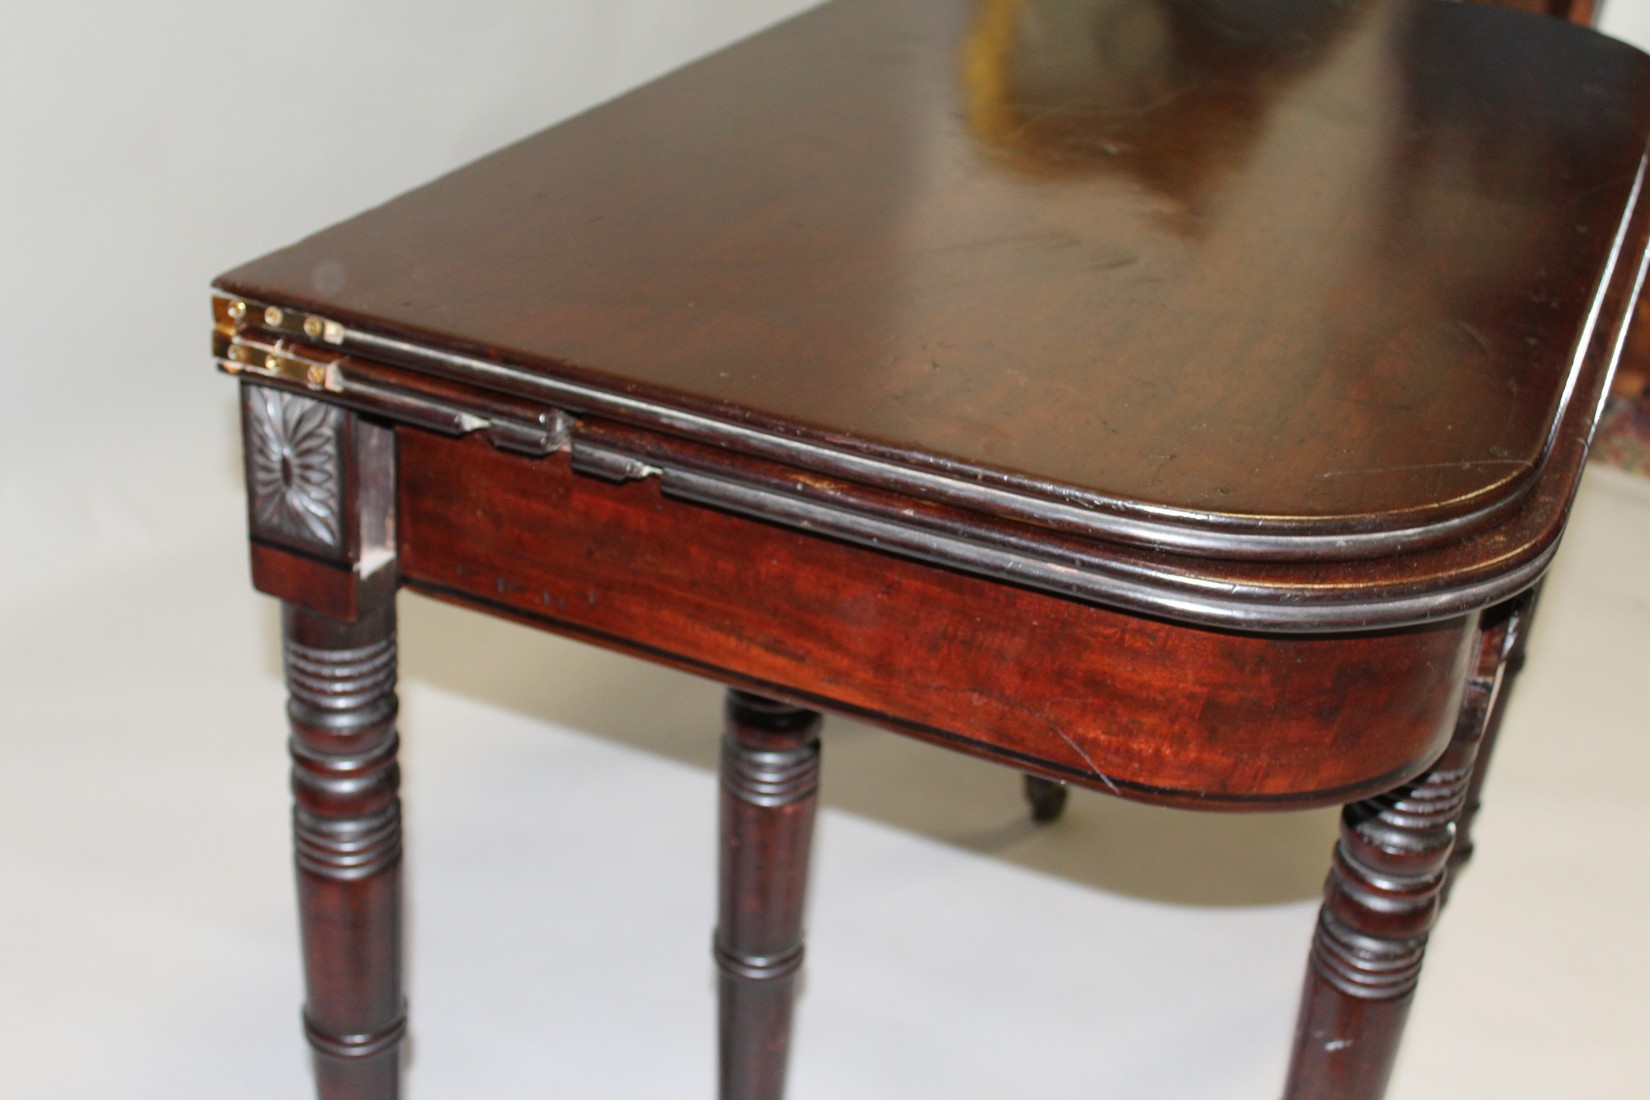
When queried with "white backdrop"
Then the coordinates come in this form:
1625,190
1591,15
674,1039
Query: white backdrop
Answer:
145,147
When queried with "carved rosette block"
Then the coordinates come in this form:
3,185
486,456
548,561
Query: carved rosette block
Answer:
347,834
320,486
770,781
1383,896
295,448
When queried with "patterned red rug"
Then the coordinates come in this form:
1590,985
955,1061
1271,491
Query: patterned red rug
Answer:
1623,438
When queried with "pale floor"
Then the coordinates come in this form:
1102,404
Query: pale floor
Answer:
560,817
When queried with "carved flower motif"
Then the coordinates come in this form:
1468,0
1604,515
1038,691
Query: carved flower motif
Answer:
293,465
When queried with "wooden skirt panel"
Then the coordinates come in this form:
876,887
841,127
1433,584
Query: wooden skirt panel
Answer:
1143,708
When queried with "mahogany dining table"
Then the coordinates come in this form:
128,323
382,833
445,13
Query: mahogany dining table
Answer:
1178,399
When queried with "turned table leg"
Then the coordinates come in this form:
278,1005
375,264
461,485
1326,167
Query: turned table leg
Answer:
770,776
347,836
1521,617
1383,896
320,506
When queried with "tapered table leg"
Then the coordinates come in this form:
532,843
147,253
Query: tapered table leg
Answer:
1384,892
347,834
770,775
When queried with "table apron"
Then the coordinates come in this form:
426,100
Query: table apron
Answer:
1137,706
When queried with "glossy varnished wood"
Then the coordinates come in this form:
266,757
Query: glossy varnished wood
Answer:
1126,261
770,786
1520,620
1385,889
1314,596
1111,701
1162,396
320,490
347,833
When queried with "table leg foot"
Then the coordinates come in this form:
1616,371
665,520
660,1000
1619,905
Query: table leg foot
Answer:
347,836
1047,798
1383,896
770,777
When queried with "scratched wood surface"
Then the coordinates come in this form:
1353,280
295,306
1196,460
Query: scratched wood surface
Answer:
1134,706
1291,265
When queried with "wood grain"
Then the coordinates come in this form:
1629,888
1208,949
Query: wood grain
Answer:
1291,267
1385,890
347,831
1151,395
770,788
1106,700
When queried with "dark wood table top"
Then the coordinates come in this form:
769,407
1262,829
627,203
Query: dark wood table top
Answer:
1217,291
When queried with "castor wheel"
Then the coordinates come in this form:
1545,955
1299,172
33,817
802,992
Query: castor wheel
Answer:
1047,798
